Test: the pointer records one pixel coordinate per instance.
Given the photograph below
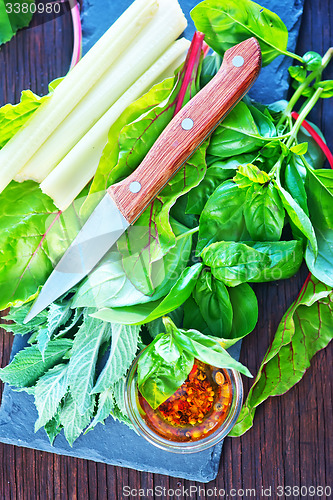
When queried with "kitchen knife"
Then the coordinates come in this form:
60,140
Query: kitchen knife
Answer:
125,201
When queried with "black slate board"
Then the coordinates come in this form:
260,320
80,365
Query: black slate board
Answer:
272,83
115,443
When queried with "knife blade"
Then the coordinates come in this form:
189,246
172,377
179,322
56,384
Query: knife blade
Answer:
125,201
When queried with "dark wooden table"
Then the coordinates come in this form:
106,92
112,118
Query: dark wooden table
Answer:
289,444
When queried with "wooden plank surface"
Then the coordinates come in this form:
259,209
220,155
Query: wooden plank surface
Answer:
290,442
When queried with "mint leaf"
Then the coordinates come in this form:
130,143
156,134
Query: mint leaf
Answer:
72,420
104,409
123,349
82,365
49,391
28,364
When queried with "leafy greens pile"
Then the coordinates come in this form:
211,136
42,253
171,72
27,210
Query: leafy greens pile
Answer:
249,205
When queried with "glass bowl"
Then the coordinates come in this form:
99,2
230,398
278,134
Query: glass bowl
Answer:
192,438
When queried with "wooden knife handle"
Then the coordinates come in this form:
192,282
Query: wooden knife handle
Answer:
188,129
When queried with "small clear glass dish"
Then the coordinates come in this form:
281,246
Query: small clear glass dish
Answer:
211,429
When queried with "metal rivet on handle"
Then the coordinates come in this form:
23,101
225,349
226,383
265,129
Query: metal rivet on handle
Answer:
238,61
187,124
135,187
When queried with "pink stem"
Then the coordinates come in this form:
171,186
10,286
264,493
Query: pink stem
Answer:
205,48
192,59
317,138
77,31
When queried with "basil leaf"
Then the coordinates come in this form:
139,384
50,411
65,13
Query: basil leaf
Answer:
295,185
319,187
218,172
210,66
223,216
212,297
234,263
264,213
193,316
143,313
162,369
228,22
286,259
248,174
312,60
237,134
264,121
297,216
195,343
245,311
327,85
304,329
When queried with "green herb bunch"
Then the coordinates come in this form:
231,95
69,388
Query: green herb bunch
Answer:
250,205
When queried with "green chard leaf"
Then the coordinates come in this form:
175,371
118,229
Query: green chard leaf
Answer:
228,22
34,235
28,365
14,16
13,117
305,328
109,286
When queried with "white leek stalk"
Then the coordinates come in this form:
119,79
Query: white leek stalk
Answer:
73,88
70,176
168,23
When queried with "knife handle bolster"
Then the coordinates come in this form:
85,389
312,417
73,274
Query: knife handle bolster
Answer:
188,129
